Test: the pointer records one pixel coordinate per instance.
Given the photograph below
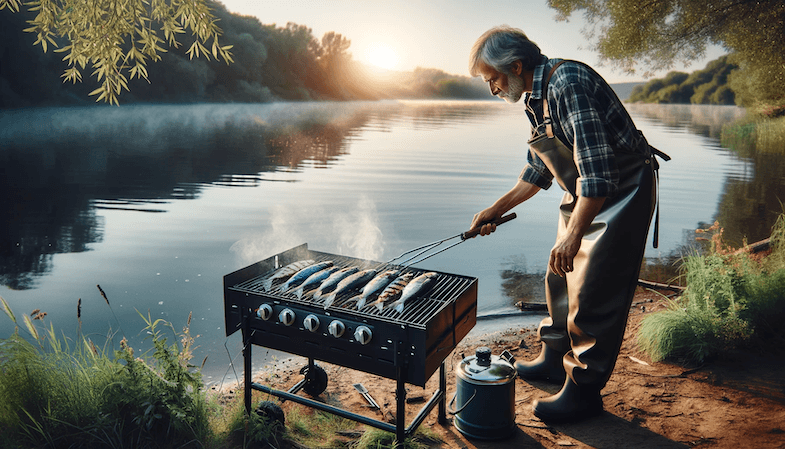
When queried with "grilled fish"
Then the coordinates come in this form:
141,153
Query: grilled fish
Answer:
393,290
286,272
350,283
417,287
302,275
376,285
331,282
314,280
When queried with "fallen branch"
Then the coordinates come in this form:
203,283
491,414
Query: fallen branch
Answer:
682,374
657,285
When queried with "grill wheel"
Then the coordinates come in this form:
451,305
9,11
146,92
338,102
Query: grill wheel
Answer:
315,380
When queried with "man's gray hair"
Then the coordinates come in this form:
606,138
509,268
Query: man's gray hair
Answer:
500,46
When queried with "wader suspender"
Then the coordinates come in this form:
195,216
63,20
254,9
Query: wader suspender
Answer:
546,119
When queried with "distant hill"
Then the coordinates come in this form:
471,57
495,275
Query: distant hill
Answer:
623,90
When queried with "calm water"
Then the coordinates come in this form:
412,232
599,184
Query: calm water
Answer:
157,203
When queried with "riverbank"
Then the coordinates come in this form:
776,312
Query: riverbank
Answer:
735,401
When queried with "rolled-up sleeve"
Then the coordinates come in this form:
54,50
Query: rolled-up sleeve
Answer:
535,172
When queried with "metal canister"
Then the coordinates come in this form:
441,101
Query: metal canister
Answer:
485,396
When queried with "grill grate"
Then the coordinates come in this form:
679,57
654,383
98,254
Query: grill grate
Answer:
416,313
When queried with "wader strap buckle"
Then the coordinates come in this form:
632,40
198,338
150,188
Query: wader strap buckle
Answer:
656,166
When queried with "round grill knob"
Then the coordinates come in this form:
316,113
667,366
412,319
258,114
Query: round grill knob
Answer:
363,335
336,328
311,322
286,317
265,311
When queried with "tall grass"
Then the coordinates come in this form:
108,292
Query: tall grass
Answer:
56,395
758,133
61,393
732,300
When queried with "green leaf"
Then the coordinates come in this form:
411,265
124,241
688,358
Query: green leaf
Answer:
96,32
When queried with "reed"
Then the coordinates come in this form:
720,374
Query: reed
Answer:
759,133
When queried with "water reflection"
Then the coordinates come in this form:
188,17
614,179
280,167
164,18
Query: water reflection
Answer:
63,164
752,199
751,204
702,120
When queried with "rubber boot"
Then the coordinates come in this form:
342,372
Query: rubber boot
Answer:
572,403
546,367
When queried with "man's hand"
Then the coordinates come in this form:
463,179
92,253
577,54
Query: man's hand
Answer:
521,192
488,215
567,246
563,254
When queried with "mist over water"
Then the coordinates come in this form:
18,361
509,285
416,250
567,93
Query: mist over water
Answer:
158,203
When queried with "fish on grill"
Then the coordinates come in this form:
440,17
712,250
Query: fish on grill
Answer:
417,287
331,282
376,285
350,283
302,275
315,280
392,291
286,272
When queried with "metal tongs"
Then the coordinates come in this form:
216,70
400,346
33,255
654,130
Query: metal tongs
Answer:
364,391
431,246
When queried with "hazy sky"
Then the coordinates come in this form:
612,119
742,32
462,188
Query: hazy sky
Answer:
434,33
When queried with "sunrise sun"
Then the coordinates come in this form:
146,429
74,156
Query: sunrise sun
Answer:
382,56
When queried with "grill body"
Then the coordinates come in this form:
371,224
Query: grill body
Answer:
411,345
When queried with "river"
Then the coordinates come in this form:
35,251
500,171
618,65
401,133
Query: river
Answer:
157,203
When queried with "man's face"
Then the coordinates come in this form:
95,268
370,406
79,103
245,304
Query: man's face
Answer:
508,87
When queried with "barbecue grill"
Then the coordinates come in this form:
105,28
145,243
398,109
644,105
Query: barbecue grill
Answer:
408,347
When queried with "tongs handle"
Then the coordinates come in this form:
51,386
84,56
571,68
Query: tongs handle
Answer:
500,221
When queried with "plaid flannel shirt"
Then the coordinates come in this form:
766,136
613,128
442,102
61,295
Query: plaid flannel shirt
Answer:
588,116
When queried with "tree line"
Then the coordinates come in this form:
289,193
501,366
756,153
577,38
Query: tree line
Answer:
711,85
269,63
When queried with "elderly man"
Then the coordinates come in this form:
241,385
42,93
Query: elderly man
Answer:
583,138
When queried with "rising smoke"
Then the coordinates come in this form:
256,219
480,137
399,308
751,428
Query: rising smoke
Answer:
353,232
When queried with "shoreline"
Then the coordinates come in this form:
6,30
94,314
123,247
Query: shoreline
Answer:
736,401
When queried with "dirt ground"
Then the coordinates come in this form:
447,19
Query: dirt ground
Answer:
737,401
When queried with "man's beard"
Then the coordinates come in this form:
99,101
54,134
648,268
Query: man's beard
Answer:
514,89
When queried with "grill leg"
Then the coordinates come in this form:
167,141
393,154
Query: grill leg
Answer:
247,363
400,415
443,400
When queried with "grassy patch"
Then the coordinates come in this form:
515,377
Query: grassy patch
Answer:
54,394
732,300
379,439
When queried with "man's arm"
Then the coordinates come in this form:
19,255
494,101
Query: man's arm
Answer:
521,192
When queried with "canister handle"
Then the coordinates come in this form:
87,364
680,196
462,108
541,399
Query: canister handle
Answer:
449,406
